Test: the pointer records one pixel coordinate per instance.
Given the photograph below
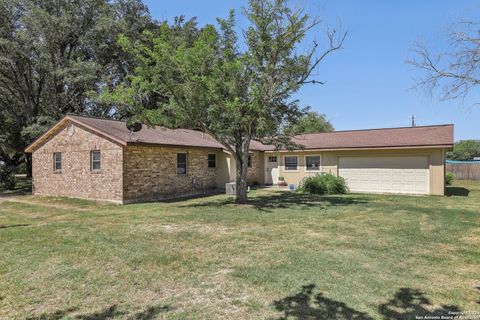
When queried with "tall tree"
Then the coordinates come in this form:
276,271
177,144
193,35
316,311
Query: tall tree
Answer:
211,85
456,71
465,150
311,122
54,55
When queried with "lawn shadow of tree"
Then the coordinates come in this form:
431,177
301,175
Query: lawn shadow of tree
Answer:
111,312
308,305
406,304
409,303
457,191
14,225
285,200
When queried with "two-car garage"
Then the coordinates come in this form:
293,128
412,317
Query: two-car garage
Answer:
409,160
386,174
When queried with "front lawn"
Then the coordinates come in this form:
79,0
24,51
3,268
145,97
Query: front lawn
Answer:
283,256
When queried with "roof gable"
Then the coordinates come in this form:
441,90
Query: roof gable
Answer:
60,125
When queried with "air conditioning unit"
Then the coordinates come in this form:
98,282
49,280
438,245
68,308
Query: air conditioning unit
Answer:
231,188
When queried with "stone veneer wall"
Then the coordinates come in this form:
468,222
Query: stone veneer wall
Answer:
150,172
76,179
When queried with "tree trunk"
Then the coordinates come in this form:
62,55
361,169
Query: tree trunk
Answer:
28,164
241,160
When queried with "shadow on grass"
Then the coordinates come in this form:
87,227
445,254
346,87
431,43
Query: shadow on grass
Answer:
307,305
14,225
111,312
407,303
286,199
457,191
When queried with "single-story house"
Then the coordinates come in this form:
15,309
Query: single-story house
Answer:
97,158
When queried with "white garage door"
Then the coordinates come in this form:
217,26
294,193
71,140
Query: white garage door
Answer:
386,174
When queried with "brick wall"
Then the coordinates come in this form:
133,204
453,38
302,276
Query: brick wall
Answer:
128,174
150,172
76,179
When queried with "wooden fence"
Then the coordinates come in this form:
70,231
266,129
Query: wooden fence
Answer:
464,171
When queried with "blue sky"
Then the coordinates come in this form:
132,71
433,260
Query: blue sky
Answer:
368,84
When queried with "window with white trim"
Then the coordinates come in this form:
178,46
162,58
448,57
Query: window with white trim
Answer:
272,159
57,161
95,160
312,163
291,163
181,163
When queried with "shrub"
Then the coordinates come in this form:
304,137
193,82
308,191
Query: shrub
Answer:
449,177
323,184
7,177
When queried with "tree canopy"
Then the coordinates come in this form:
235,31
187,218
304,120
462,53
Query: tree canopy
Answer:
465,150
311,122
455,72
54,57
207,83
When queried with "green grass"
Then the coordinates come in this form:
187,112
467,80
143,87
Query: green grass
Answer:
282,256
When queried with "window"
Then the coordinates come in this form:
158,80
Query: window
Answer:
57,161
95,160
312,163
272,159
181,163
249,162
212,160
291,163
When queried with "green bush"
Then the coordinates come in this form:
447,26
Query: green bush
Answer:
7,177
449,177
323,184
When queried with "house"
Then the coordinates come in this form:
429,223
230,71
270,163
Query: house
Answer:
97,158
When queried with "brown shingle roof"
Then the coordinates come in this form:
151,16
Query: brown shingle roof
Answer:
157,135
423,136
441,135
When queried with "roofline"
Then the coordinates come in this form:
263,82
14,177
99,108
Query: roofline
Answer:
71,117
143,143
30,148
375,129
91,117
434,146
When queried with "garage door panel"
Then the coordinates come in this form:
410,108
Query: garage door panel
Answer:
386,174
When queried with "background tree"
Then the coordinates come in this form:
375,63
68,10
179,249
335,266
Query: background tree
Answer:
54,56
455,72
465,150
211,85
311,122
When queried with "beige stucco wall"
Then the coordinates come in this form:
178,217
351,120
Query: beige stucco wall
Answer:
150,172
76,179
227,169
329,163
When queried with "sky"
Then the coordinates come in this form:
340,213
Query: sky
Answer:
368,84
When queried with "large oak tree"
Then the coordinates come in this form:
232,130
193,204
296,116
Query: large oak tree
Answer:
54,57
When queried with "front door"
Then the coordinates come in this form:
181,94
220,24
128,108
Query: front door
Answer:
271,169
